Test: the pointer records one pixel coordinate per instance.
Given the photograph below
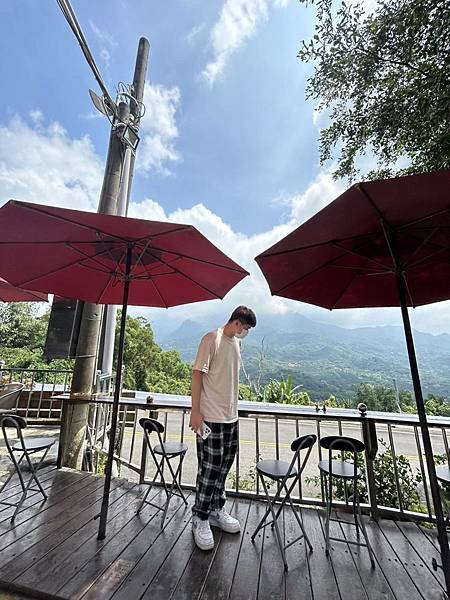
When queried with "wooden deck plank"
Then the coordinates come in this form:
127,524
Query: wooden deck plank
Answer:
35,504
375,583
422,577
323,579
271,583
399,580
166,579
423,547
46,575
220,578
298,579
83,570
58,555
13,495
129,575
25,555
246,576
197,568
44,524
347,576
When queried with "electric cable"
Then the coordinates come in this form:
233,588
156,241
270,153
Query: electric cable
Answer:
75,26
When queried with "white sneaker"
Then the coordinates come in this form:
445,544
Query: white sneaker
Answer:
203,536
220,518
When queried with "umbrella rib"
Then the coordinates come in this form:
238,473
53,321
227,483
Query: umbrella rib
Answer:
363,192
71,264
344,290
201,260
68,220
311,246
108,282
425,218
359,255
151,280
94,258
331,263
183,275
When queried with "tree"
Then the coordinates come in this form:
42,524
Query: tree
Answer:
385,78
20,327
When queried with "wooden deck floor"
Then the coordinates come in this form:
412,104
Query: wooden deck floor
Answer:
53,552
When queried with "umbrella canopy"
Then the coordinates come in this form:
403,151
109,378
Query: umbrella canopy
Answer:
106,259
381,243
349,253
82,255
12,293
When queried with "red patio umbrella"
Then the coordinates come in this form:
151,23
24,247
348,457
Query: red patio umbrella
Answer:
12,293
381,243
106,259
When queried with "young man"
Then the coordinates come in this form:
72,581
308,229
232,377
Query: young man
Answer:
215,387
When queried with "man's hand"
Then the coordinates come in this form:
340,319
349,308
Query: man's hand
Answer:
196,420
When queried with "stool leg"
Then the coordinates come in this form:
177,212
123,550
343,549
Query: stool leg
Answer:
354,506
363,529
277,529
299,521
329,494
260,524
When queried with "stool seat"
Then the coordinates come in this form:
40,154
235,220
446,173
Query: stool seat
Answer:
34,444
339,468
443,474
276,469
170,448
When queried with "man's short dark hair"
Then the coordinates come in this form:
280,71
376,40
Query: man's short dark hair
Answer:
243,314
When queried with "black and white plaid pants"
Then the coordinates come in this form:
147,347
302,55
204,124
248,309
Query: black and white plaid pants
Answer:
215,456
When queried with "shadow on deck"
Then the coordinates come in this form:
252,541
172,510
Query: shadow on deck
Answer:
53,552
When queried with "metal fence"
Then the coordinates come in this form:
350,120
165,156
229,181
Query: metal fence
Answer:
35,401
395,483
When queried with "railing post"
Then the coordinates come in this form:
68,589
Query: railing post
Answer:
369,432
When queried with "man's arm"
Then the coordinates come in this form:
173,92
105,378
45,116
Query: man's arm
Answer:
196,419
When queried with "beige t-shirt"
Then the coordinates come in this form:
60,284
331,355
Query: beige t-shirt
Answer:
218,358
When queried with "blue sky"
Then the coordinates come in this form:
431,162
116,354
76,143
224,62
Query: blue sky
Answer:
229,142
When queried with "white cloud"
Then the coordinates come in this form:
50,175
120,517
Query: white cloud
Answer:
43,164
107,42
237,23
320,192
158,128
194,33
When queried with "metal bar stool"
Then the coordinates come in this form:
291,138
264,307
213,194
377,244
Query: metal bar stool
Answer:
26,448
348,472
443,476
284,473
162,454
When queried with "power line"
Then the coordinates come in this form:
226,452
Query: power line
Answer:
75,27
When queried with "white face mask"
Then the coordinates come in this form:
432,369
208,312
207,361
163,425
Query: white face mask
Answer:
242,335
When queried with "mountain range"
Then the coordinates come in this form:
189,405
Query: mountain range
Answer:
326,359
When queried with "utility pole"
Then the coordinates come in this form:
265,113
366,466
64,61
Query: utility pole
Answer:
137,89
75,412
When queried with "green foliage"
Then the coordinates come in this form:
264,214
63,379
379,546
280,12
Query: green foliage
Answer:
384,78
383,398
20,327
147,367
22,338
384,473
281,392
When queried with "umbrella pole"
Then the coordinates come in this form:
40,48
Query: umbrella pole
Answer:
115,409
428,449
